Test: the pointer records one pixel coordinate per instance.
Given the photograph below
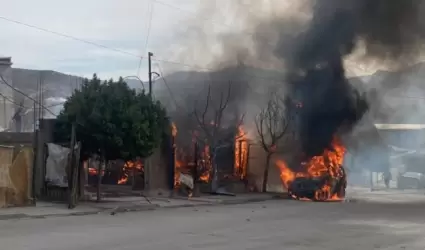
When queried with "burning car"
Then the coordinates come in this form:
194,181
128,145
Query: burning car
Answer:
319,188
321,178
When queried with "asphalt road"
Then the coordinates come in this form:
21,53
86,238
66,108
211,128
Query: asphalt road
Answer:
270,225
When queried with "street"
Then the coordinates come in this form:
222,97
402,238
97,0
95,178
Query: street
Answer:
276,224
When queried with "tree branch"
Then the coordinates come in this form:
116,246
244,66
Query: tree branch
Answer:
271,123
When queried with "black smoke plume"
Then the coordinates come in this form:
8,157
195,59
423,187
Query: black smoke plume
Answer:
308,47
389,30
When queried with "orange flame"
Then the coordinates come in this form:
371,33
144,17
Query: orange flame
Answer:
127,169
177,171
204,162
92,171
241,153
206,159
329,163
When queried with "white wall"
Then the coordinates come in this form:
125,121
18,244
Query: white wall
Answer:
7,108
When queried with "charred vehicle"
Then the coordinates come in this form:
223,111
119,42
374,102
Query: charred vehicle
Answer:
319,178
319,188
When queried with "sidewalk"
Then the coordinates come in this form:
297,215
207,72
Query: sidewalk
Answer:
361,194
125,204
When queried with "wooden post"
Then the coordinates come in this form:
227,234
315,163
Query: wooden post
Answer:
240,170
195,174
71,168
99,177
134,171
248,151
34,167
172,169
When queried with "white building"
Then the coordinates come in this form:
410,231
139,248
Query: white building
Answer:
41,88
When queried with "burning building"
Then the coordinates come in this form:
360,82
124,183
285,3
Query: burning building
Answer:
194,161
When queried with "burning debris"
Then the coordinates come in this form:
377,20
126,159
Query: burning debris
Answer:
190,160
130,168
117,172
199,163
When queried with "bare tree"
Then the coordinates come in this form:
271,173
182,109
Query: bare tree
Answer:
210,121
271,124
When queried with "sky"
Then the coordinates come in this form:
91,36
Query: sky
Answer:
129,28
121,25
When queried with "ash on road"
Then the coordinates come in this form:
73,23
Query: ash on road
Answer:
270,225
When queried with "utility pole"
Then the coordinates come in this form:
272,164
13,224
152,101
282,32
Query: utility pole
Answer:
150,54
4,112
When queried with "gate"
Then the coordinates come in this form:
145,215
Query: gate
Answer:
222,167
15,176
230,167
69,171
216,168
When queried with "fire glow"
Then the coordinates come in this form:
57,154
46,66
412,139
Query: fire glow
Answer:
327,167
241,153
129,169
185,161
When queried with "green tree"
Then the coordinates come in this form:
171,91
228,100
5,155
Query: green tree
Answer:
112,120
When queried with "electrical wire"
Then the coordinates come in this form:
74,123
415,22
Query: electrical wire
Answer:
13,102
126,52
68,36
27,96
168,87
151,10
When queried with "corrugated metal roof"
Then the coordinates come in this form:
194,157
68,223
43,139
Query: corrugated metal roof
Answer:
400,126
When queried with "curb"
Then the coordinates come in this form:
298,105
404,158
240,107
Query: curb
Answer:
135,208
222,203
44,216
98,211
138,208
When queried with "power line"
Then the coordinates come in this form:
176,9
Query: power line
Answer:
167,86
13,102
149,26
68,36
122,51
191,66
27,96
147,36
25,107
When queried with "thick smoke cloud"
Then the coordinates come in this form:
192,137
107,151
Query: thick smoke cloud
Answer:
307,41
389,29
